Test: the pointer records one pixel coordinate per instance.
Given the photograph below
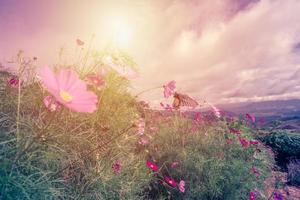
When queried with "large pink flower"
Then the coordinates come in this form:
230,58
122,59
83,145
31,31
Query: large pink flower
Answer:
69,90
169,89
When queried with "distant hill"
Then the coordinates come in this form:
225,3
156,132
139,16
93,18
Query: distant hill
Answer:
285,112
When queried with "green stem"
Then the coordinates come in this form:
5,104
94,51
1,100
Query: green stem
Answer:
147,90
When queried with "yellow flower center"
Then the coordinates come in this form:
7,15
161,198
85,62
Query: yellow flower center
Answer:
65,96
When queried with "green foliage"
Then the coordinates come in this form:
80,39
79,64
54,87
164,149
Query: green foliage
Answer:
285,143
68,155
211,168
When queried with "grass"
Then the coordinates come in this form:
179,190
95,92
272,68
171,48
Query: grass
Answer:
69,155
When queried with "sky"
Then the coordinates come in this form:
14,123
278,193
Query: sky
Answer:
218,50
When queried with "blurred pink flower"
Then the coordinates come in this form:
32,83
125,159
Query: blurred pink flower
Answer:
95,80
174,164
254,142
244,142
167,107
140,124
170,181
13,82
252,196
69,90
151,165
79,42
51,104
251,117
198,117
169,89
181,186
116,167
194,129
229,141
235,131
144,141
255,171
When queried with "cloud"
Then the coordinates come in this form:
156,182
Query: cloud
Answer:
218,50
250,55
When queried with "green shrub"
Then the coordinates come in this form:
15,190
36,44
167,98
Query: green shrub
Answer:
284,143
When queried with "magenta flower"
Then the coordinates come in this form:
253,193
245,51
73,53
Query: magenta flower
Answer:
251,117
170,181
79,42
169,89
95,80
278,196
252,196
69,90
181,186
244,142
152,165
198,117
235,131
254,142
13,82
51,104
116,167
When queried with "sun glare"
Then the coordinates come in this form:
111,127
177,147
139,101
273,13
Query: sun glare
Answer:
122,33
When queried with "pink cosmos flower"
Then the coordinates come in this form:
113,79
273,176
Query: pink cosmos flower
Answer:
169,89
116,167
151,165
181,186
51,104
140,124
254,142
252,196
255,171
235,131
244,142
251,117
170,181
79,42
69,90
95,80
13,82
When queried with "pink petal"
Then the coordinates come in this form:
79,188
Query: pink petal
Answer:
49,79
